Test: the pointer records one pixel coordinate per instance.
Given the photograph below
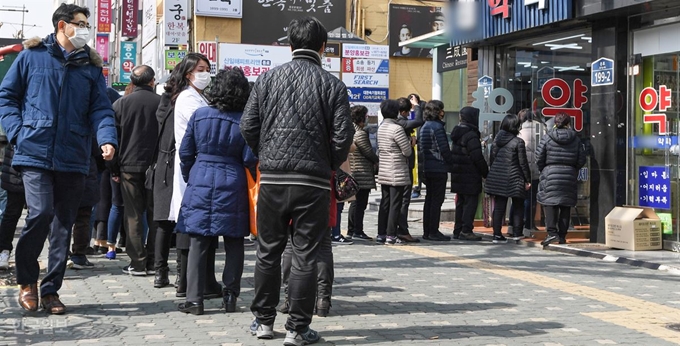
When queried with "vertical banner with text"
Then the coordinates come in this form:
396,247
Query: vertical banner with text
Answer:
128,60
209,49
102,47
129,18
175,23
103,15
149,21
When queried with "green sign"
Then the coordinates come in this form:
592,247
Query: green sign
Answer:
666,223
173,57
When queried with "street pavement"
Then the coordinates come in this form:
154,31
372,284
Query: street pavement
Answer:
454,293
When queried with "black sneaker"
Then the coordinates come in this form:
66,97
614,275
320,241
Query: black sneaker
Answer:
81,262
438,237
90,251
380,239
456,236
469,236
499,239
341,240
549,240
129,270
361,236
562,241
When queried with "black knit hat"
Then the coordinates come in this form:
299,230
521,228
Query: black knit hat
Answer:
470,115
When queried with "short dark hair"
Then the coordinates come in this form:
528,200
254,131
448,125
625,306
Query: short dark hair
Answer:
66,12
562,120
404,104
437,16
229,91
358,114
389,109
142,75
178,81
307,33
432,109
511,124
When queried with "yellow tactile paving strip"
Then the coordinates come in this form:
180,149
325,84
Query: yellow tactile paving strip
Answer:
639,315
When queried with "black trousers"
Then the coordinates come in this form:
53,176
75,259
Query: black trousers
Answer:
308,208
557,220
466,208
390,210
199,255
163,239
8,225
137,200
434,198
357,210
516,219
324,265
81,231
402,226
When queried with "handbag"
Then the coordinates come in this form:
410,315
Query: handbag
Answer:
346,186
253,191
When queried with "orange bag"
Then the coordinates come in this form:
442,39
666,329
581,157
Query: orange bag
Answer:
253,190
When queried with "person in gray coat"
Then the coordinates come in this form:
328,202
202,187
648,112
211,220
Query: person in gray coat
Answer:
559,156
394,149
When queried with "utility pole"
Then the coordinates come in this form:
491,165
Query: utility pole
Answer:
23,11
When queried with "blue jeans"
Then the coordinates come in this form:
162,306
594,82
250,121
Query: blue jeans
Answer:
52,199
335,230
116,221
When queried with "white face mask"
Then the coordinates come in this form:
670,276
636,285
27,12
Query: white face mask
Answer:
201,80
80,38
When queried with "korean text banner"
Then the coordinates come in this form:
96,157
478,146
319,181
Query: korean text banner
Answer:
253,59
128,60
212,8
407,22
266,21
102,47
175,26
129,18
103,15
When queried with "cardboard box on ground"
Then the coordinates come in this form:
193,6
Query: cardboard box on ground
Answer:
633,228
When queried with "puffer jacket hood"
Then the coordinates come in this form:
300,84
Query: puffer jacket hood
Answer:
470,116
461,130
562,136
503,138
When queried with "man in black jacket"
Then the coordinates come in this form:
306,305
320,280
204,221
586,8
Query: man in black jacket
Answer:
297,121
469,168
137,132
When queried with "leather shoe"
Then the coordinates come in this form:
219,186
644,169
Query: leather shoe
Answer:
191,308
28,297
213,293
323,306
549,240
229,301
161,279
52,304
408,238
438,237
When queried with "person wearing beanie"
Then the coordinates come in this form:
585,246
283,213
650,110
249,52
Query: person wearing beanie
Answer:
469,168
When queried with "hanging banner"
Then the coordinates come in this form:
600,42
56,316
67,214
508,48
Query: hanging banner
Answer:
128,60
173,57
655,187
365,65
209,49
331,64
360,80
149,21
103,15
450,58
105,72
150,57
407,22
212,8
367,94
253,59
365,51
102,47
175,23
129,19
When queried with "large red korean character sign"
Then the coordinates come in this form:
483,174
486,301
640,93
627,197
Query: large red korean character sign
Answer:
649,100
558,104
500,7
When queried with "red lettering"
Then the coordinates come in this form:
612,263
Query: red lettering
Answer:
650,105
656,119
499,7
580,91
564,90
664,98
577,114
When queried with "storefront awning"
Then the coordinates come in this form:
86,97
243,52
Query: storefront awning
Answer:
430,40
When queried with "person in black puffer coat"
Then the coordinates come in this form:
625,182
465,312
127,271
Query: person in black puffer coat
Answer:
469,168
363,162
509,177
10,181
560,155
435,161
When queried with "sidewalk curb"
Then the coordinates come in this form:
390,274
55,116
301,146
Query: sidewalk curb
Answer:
674,270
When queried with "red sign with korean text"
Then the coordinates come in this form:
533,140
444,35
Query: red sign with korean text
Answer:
500,7
102,46
649,100
558,104
129,18
103,15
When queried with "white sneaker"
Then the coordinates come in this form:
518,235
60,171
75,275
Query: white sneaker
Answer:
262,331
4,260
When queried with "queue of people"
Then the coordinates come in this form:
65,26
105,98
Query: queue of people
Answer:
176,166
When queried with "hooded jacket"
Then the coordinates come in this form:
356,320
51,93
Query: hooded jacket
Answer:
509,167
559,157
297,122
52,106
469,165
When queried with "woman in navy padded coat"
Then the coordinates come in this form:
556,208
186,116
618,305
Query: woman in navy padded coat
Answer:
213,159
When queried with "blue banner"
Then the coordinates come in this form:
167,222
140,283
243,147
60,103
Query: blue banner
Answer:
128,60
652,142
367,94
654,187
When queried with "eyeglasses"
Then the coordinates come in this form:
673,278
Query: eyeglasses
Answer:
81,25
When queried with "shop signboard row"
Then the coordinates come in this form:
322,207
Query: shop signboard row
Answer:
365,72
